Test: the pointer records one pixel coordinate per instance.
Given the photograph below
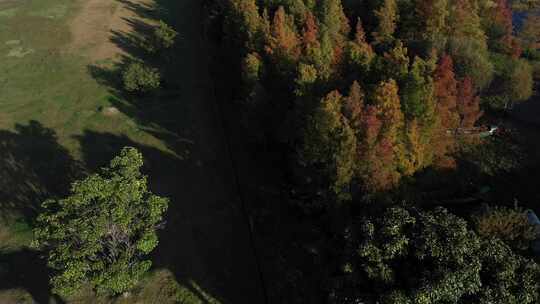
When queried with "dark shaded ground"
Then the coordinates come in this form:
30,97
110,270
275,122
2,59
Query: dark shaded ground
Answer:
528,111
33,167
27,270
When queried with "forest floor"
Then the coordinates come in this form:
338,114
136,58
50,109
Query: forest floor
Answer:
59,63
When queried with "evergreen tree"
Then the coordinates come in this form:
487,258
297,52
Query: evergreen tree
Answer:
468,44
284,42
359,52
498,27
243,22
468,104
387,101
330,143
386,155
333,20
417,92
310,36
354,105
446,93
394,64
416,147
387,16
433,14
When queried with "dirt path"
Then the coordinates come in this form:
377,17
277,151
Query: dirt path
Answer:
94,27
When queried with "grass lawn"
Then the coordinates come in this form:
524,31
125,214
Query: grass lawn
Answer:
53,130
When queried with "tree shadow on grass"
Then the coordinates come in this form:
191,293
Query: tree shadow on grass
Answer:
25,269
204,240
33,167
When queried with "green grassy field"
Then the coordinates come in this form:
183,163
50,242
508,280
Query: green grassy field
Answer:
40,80
53,130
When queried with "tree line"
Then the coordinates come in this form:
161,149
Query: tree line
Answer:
362,95
373,88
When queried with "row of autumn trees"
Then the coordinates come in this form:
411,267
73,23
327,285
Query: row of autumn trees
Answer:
366,92
361,94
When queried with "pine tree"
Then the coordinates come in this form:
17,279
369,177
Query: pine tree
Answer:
446,93
305,80
446,96
468,104
333,20
394,64
359,51
244,22
382,151
284,41
386,98
417,93
330,143
468,44
387,16
529,35
434,17
371,160
354,105
498,27
417,149
310,36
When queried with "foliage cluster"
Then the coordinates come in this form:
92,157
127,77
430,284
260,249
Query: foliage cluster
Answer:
374,91
508,224
364,94
138,77
100,234
412,256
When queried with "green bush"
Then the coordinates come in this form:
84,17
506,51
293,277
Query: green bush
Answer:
162,37
138,77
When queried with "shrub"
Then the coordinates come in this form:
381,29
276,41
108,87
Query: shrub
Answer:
508,224
162,37
138,77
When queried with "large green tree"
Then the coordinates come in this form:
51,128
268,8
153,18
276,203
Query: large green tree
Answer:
100,234
409,256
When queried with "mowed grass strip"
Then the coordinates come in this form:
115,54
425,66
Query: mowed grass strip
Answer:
40,80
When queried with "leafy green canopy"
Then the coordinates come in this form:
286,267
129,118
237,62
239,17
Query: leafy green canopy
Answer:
423,257
100,233
138,77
